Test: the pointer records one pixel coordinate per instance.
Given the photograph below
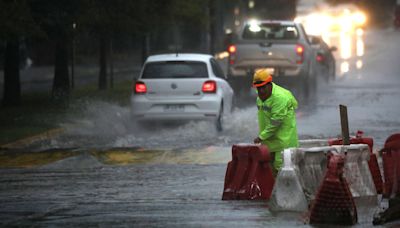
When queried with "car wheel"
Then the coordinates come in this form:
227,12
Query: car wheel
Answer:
219,120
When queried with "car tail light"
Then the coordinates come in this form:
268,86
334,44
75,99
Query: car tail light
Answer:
232,49
320,58
300,53
232,54
209,87
140,88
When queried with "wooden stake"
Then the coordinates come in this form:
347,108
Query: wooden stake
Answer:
345,125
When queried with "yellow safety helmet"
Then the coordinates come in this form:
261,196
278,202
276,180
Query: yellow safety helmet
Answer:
261,77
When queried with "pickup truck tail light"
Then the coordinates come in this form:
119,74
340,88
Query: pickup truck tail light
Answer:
232,54
139,87
209,87
300,53
232,49
320,58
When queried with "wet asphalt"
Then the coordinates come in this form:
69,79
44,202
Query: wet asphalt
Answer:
102,190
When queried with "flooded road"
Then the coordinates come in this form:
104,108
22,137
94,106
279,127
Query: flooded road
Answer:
102,170
112,189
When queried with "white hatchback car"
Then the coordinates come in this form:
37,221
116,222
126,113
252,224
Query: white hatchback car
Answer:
181,87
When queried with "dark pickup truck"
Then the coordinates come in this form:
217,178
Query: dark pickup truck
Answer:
282,46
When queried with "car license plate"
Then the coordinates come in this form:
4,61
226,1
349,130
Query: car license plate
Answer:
174,108
270,69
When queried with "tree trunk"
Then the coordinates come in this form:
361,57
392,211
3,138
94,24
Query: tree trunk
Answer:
103,63
12,86
73,62
145,46
111,64
61,85
212,17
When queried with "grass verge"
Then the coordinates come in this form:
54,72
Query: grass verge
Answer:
38,113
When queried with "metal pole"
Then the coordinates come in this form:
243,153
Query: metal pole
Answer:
344,124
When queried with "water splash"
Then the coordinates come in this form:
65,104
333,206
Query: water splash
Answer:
102,124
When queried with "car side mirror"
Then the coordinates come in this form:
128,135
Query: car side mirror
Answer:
333,48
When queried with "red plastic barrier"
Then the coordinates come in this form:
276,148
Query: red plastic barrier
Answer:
391,165
334,203
373,161
376,173
248,175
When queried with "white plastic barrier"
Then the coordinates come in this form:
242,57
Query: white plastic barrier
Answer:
356,170
307,167
308,143
312,168
287,194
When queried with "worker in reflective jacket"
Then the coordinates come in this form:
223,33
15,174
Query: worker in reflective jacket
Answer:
276,117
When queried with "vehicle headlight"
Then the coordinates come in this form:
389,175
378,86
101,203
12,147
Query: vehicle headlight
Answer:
254,26
359,18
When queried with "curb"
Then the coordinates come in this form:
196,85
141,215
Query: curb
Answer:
29,140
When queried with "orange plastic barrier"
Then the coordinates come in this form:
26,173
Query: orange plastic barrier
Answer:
373,161
391,166
334,203
249,174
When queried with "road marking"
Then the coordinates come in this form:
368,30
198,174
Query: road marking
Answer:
12,159
29,140
208,155
118,156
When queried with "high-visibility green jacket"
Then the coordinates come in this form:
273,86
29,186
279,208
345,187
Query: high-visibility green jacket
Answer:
277,122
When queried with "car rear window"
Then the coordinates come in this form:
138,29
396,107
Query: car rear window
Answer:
175,69
270,31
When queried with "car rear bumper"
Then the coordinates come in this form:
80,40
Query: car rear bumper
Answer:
207,107
282,71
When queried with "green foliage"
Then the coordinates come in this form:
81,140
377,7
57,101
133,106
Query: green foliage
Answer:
102,16
27,18
16,20
139,16
55,18
30,17
194,11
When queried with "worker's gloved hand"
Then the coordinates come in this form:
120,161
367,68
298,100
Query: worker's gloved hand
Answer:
257,140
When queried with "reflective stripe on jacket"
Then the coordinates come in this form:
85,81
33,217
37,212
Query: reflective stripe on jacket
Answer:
277,120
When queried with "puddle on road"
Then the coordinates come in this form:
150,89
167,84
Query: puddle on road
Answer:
64,158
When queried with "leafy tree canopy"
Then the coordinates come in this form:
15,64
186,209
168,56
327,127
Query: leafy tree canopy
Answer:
16,20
